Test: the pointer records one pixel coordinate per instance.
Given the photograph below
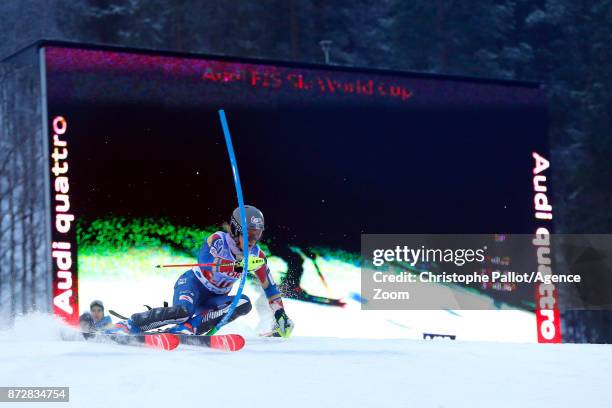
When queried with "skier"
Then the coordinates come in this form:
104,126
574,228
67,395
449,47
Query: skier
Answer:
94,320
201,294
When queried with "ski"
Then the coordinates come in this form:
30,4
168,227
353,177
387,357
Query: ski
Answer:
161,341
300,294
224,342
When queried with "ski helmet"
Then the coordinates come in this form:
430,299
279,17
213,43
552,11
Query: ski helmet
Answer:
254,219
96,303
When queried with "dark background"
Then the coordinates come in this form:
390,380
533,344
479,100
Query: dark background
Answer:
324,169
564,43
322,177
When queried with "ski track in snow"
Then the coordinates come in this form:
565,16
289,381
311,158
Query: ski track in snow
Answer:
307,372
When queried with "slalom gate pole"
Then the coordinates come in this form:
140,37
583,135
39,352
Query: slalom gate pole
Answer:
245,238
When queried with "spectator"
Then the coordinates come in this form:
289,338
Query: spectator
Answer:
94,320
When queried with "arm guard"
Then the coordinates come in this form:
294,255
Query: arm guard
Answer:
268,285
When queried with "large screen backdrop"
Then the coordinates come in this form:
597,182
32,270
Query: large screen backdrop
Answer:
140,173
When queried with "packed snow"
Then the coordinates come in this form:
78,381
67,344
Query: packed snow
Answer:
308,371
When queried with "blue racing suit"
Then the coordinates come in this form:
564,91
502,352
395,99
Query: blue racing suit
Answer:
204,290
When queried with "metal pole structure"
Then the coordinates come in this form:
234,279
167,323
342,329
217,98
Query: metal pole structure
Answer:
326,47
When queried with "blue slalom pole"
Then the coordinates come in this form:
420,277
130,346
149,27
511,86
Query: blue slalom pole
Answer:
245,237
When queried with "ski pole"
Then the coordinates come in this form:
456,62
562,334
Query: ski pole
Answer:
317,268
254,264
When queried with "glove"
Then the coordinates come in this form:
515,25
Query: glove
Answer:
254,263
284,325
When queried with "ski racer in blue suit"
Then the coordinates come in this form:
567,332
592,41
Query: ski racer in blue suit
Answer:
201,294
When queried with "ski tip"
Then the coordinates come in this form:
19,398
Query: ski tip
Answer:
162,341
227,342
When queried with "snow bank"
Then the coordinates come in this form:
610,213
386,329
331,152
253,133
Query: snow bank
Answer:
308,371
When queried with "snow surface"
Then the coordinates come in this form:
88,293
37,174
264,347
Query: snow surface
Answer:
307,372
